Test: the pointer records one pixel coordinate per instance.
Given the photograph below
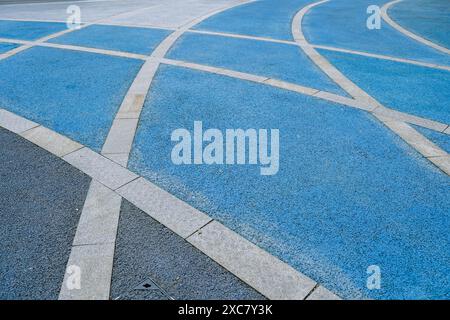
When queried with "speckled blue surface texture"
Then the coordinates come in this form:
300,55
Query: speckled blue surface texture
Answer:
349,193
74,93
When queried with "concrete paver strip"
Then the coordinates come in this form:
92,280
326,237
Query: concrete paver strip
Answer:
172,212
273,278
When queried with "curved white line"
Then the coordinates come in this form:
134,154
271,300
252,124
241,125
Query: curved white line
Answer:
385,16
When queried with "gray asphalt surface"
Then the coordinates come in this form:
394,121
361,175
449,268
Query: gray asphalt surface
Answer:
41,201
146,250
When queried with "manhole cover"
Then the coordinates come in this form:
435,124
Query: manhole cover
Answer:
147,285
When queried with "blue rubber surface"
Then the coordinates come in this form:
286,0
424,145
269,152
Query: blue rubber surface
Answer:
134,40
440,139
4,47
275,60
265,18
74,93
41,201
27,30
428,18
342,23
336,206
405,87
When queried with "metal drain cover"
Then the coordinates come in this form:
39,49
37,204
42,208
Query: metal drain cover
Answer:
147,285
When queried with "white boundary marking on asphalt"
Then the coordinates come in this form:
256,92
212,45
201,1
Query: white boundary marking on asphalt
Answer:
94,252
414,36
390,118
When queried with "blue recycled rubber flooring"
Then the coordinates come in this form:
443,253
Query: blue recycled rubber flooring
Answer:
74,93
4,47
429,19
417,90
275,60
322,26
265,18
348,194
133,40
336,206
27,30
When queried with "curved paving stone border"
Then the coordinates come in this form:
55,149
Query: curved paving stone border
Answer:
118,180
384,14
394,120
274,279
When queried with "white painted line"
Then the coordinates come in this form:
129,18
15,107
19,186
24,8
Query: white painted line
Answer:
384,57
164,207
414,36
447,131
51,141
268,275
100,168
15,123
321,293
95,263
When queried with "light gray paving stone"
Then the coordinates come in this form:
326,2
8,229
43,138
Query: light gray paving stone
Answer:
120,158
291,87
262,271
447,131
400,116
164,207
100,168
120,137
51,141
442,163
322,293
15,123
100,216
413,138
344,100
95,263
241,75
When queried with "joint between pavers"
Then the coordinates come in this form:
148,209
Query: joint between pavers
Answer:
199,229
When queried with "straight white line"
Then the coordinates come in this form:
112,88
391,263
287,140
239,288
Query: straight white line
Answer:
414,36
93,251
